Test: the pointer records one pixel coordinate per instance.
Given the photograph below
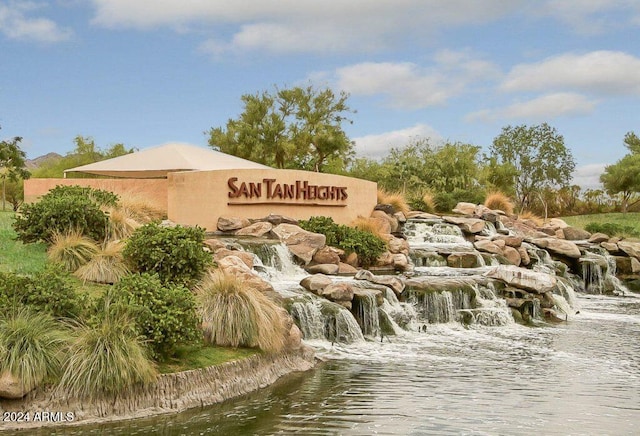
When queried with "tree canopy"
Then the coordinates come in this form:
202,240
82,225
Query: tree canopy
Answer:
535,157
85,152
290,128
12,164
623,177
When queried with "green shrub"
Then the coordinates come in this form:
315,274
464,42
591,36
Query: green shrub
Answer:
106,357
164,313
612,229
98,196
174,253
50,291
55,214
366,245
30,345
446,201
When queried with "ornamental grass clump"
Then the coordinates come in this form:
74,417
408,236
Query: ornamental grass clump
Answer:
236,315
375,226
140,208
527,215
396,199
122,223
499,201
30,345
106,266
71,249
106,357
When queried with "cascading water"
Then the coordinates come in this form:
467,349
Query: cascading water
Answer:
365,309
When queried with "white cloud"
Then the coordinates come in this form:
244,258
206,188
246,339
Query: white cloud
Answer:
294,26
376,146
588,176
409,86
591,16
539,109
16,24
603,72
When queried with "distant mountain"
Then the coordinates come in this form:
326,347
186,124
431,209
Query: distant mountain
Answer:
32,164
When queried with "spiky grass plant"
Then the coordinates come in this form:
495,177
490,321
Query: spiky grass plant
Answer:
371,225
30,344
71,249
428,199
107,357
122,223
106,266
395,199
140,208
527,215
499,201
235,315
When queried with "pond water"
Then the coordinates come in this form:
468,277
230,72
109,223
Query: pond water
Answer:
575,378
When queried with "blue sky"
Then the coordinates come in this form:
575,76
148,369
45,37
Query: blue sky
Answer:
147,72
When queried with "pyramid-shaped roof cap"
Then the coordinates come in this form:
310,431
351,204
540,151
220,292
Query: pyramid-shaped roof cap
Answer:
155,162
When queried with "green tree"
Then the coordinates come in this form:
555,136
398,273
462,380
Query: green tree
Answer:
623,177
85,152
537,156
290,128
12,164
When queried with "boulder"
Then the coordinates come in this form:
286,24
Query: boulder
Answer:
558,223
323,268
12,388
627,265
464,208
611,247
597,238
487,246
398,245
463,260
315,282
386,208
256,229
386,223
214,244
558,246
401,262
276,220
345,268
392,282
228,224
401,217
524,255
351,259
245,256
337,292
575,234
236,267
294,338
364,292
512,255
301,243
532,281
468,225
511,241
632,249
327,255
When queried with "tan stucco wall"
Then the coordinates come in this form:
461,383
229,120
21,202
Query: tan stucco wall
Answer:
201,197
154,190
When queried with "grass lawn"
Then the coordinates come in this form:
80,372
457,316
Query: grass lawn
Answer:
629,219
201,356
14,255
